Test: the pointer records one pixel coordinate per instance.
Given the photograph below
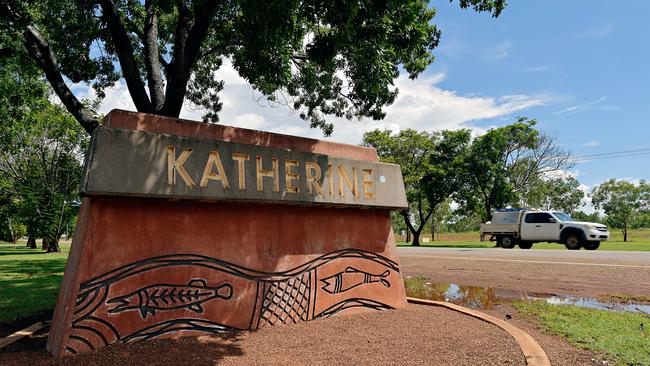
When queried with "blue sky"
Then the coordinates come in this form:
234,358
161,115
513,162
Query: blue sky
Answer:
579,67
587,60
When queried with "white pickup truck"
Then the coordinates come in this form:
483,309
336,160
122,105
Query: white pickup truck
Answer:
512,227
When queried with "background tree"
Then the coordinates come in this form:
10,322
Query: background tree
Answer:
622,201
446,170
412,151
22,92
321,58
561,194
588,217
503,164
431,166
41,154
440,219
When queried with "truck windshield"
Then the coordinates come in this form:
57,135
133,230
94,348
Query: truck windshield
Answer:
562,216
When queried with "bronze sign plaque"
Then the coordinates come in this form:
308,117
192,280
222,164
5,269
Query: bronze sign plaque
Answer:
144,164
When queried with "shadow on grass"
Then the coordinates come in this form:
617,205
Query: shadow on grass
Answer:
39,267
29,287
17,250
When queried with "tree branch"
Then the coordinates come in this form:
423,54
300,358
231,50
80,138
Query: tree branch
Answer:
152,56
186,49
124,51
40,51
133,28
407,221
175,85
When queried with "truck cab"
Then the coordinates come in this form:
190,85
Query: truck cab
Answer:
521,227
540,226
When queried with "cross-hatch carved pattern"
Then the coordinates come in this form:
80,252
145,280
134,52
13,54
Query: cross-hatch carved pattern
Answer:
286,301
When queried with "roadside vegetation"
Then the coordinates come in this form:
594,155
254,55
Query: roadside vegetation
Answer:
624,336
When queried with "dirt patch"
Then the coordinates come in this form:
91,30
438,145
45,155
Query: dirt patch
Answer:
415,336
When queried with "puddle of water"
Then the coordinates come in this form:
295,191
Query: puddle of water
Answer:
477,297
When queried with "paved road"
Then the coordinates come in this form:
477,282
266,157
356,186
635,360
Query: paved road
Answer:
553,271
562,256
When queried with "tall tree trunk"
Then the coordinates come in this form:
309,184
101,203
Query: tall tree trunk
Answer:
12,233
416,239
433,229
625,232
31,242
45,243
53,245
408,235
416,236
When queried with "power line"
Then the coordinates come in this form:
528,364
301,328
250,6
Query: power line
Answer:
610,155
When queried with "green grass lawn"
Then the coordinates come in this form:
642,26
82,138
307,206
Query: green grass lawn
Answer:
623,336
638,240
29,280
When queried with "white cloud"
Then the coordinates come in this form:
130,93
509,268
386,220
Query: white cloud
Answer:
593,143
250,120
501,51
421,105
117,96
596,32
594,104
587,205
540,68
563,174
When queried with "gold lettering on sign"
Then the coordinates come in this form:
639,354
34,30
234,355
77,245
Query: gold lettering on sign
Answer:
367,184
176,165
313,174
261,173
214,160
290,176
330,179
241,161
343,176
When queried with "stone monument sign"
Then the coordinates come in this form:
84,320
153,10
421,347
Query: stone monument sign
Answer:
189,228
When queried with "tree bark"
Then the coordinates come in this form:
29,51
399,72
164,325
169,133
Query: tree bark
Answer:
12,234
53,245
416,236
125,54
152,56
186,49
433,229
415,231
409,227
39,49
31,242
175,90
625,232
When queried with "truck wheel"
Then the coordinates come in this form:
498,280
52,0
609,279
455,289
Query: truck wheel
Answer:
506,242
573,242
592,245
525,244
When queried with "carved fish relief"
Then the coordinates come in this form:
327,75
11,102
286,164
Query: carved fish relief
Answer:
163,297
351,278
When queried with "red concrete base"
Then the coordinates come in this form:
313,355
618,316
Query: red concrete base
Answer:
146,268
